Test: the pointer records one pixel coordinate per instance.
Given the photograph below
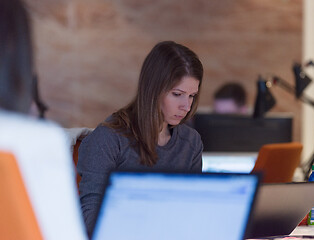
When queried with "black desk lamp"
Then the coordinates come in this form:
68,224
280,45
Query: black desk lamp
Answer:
265,101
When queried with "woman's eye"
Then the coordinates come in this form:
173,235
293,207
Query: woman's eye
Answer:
192,96
176,94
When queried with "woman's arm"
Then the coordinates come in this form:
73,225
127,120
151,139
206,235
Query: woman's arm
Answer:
98,153
197,160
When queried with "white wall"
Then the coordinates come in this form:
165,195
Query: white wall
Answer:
307,132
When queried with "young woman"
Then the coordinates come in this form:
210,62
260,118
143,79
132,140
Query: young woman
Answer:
147,134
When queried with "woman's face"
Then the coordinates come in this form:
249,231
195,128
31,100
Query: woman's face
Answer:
176,103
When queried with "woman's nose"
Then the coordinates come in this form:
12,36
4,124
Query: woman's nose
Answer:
186,105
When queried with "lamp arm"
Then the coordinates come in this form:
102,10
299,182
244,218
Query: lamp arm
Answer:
283,84
307,100
289,88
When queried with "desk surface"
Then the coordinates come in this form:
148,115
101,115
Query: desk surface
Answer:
303,230
299,233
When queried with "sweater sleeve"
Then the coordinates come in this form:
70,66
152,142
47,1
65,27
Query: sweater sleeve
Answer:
197,160
98,154
190,147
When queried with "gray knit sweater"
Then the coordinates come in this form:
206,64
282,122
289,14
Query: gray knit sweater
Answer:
105,150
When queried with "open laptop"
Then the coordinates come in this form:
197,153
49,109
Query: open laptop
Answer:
280,208
141,205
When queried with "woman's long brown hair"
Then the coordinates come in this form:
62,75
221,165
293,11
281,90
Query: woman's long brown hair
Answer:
142,119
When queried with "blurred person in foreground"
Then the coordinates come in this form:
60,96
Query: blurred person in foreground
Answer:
39,147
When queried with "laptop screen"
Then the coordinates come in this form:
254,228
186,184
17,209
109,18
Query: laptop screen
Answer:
175,206
239,162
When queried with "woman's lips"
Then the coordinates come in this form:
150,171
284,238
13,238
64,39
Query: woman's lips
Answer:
179,117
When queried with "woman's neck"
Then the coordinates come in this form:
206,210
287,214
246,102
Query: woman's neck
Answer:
164,135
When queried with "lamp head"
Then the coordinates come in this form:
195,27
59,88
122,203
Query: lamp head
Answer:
264,99
301,79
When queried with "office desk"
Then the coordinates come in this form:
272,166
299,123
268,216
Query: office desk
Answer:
299,233
303,230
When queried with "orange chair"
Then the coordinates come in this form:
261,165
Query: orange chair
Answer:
17,219
76,135
75,159
278,161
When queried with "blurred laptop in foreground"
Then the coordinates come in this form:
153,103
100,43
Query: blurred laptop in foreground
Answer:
280,208
176,206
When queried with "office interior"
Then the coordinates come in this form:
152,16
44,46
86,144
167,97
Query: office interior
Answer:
88,54
95,50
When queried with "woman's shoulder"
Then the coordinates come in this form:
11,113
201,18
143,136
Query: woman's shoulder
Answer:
101,131
104,134
187,132
188,136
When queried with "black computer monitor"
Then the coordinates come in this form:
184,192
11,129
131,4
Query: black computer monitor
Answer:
235,133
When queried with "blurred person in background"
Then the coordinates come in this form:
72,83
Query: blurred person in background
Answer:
230,99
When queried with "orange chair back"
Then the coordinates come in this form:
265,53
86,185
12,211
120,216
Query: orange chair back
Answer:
278,161
75,159
17,219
